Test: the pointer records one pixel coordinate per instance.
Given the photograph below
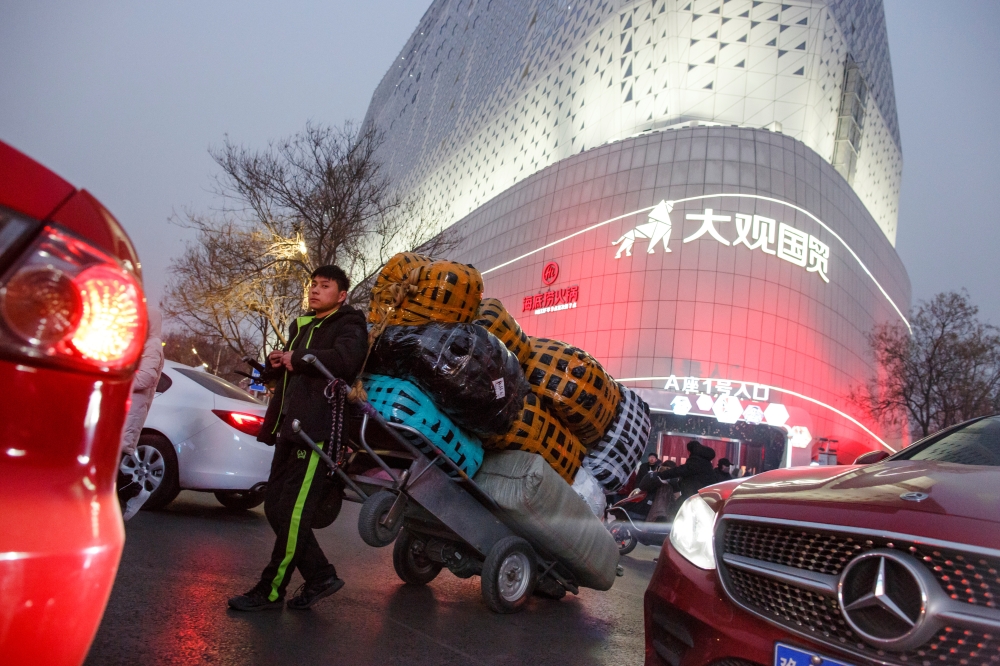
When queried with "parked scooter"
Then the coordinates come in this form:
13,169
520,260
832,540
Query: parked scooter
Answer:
626,520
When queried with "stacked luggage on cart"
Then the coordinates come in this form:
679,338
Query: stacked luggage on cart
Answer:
481,449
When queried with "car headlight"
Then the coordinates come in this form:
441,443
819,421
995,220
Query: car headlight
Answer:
693,533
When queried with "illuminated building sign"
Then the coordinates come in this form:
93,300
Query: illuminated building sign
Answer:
550,273
791,248
756,232
552,300
730,402
746,390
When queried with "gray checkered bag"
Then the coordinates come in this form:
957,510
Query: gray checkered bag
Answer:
613,458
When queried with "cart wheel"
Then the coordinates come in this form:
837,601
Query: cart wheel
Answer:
412,566
624,537
372,511
508,576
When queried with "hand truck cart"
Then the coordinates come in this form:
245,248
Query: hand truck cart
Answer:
412,493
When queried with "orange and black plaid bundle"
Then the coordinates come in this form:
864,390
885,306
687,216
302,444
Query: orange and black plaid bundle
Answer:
412,289
574,386
493,316
538,431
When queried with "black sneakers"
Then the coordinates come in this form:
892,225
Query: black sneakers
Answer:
255,600
313,592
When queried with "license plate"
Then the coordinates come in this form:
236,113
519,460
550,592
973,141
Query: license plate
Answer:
785,655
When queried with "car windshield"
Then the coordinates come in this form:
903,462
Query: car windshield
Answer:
217,385
975,444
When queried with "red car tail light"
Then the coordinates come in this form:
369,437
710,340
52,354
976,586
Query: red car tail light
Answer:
68,303
248,423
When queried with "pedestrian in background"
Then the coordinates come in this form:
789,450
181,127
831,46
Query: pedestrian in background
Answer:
650,465
664,499
722,470
696,473
147,376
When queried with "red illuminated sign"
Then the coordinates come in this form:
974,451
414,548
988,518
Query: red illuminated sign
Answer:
552,300
550,273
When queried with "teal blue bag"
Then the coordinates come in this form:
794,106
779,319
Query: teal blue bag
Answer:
400,401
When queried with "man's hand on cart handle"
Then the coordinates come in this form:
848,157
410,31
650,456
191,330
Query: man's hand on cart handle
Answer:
311,359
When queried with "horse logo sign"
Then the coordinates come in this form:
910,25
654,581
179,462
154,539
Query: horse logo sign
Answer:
656,230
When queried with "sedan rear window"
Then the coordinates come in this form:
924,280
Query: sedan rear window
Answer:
217,385
975,444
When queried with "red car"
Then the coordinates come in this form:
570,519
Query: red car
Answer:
895,562
72,325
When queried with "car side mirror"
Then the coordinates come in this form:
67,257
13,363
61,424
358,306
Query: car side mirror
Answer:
871,457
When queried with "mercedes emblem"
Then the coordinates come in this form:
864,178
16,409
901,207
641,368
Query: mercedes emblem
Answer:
883,595
914,497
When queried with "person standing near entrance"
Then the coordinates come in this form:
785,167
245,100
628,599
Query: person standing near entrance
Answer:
723,470
694,474
338,336
645,468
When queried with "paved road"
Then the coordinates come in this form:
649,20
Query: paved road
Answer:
181,564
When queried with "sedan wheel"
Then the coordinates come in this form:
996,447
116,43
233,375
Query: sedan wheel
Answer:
152,469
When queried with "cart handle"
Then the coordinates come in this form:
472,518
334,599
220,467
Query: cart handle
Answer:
315,362
483,497
297,429
375,456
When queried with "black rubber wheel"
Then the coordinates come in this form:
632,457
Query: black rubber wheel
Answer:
508,577
240,500
624,537
329,508
372,511
153,466
411,565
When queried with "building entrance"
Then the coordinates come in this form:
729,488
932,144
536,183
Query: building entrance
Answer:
752,448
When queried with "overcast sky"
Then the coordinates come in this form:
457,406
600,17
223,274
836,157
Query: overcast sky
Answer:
124,99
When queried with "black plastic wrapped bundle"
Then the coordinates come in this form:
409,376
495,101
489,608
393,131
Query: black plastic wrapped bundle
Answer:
468,373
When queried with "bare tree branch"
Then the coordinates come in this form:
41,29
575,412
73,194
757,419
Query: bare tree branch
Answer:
319,197
946,372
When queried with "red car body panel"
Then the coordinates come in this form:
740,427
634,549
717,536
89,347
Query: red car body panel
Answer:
693,599
61,531
28,187
963,503
963,506
86,216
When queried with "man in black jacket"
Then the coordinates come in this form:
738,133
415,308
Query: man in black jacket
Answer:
337,335
696,473
723,470
645,468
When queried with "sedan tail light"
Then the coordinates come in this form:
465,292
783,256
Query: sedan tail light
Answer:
248,423
70,304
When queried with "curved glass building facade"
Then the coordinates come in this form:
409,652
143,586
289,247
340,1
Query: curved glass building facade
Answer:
701,193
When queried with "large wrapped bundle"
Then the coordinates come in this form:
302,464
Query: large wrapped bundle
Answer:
538,431
613,458
412,289
466,371
590,491
574,386
493,316
551,515
399,401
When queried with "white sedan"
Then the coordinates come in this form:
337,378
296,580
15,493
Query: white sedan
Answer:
200,434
